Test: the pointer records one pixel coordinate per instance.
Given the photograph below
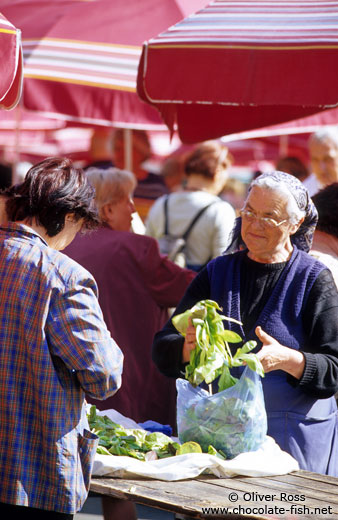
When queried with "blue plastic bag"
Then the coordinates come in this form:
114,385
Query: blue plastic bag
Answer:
233,421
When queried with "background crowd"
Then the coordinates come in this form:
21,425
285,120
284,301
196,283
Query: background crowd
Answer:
116,282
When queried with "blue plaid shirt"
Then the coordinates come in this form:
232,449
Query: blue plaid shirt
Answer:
54,348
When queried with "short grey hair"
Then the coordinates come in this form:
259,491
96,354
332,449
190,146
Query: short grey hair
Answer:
294,212
111,185
329,133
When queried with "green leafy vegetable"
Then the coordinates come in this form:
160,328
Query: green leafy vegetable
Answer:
212,356
229,425
136,443
116,440
189,447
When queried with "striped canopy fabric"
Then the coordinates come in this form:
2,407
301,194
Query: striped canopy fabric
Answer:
10,64
81,56
243,64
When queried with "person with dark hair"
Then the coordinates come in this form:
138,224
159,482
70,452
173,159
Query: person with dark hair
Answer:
294,166
326,202
55,346
6,176
287,302
206,170
325,240
52,190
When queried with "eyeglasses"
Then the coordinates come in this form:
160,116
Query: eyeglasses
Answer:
266,221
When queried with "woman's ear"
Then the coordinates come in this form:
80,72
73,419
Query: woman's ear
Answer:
70,217
107,212
295,227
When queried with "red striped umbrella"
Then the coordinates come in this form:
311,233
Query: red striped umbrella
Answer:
10,64
81,56
240,65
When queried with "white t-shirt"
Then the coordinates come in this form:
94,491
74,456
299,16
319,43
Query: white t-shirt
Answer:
208,237
312,185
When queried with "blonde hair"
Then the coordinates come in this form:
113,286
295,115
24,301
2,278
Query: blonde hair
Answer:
111,185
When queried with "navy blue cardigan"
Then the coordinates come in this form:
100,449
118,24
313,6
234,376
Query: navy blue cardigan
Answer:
312,294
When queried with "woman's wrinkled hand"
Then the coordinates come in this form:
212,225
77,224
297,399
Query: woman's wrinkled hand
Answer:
189,342
275,356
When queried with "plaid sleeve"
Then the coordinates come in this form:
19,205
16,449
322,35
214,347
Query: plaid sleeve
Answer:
78,335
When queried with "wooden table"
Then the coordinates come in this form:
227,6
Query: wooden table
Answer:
298,495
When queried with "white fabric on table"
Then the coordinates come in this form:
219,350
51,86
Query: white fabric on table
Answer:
269,460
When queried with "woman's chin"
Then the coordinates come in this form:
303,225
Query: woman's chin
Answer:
255,243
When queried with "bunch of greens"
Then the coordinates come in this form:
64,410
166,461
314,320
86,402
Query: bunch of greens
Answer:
212,356
116,440
233,421
137,443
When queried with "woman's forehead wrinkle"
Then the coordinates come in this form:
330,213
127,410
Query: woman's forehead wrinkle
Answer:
274,204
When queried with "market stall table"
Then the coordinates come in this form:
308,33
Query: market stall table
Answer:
297,495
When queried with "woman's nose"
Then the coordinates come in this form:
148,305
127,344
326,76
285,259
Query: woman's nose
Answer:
258,222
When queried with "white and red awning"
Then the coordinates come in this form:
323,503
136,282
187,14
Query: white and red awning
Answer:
10,64
81,56
240,65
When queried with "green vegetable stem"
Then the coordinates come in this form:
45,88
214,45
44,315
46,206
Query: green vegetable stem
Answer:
212,356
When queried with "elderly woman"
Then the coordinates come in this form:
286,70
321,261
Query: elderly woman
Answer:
55,346
288,302
206,170
136,287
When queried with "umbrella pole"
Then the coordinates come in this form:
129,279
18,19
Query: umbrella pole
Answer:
15,165
283,145
128,149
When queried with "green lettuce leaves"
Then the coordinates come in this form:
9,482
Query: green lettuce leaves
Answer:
212,357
